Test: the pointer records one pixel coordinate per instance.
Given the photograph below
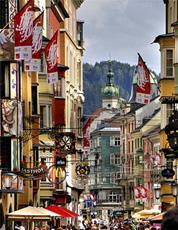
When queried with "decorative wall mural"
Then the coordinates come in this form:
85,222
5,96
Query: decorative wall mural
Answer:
11,118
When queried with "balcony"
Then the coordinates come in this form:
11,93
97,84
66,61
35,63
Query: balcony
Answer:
109,202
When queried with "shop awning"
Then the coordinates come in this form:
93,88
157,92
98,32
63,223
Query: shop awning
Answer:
61,211
32,213
157,217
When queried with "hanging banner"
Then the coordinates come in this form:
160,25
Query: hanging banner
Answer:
144,193
93,199
23,31
152,160
86,137
137,194
158,159
143,83
51,59
34,64
85,196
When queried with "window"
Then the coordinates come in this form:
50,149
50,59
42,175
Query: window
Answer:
170,15
115,159
147,166
113,197
34,99
45,116
75,71
91,144
66,20
128,146
79,75
129,127
70,21
71,67
35,156
99,141
74,28
139,182
132,146
123,147
59,88
123,129
79,121
72,114
169,111
95,143
4,13
98,178
48,162
114,141
114,177
169,63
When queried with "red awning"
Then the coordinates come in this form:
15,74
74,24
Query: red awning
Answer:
61,211
73,214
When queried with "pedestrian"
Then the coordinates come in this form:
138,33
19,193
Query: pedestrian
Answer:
147,227
126,226
80,225
170,220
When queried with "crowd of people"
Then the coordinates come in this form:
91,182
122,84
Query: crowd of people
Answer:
169,222
114,224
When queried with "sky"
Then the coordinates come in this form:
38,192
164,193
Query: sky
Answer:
119,29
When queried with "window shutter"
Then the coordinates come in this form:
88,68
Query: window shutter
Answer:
111,141
111,178
112,159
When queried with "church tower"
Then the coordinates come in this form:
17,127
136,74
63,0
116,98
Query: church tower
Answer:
110,93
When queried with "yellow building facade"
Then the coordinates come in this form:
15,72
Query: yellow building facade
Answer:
168,85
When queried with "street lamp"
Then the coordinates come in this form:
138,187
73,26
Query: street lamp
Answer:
157,190
7,180
171,130
12,182
174,188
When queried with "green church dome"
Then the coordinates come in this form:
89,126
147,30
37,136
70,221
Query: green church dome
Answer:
110,89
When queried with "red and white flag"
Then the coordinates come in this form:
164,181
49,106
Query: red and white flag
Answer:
143,83
86,136
23,31
34,64
137,194
158,159
144,193
152,160
93,199
85,196
51,59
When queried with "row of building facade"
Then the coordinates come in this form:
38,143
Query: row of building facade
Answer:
128,139
34,112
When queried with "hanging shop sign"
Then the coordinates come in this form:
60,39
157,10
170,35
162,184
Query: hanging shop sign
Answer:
35,173
60,161
82,170
168,173
56,174
65,143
